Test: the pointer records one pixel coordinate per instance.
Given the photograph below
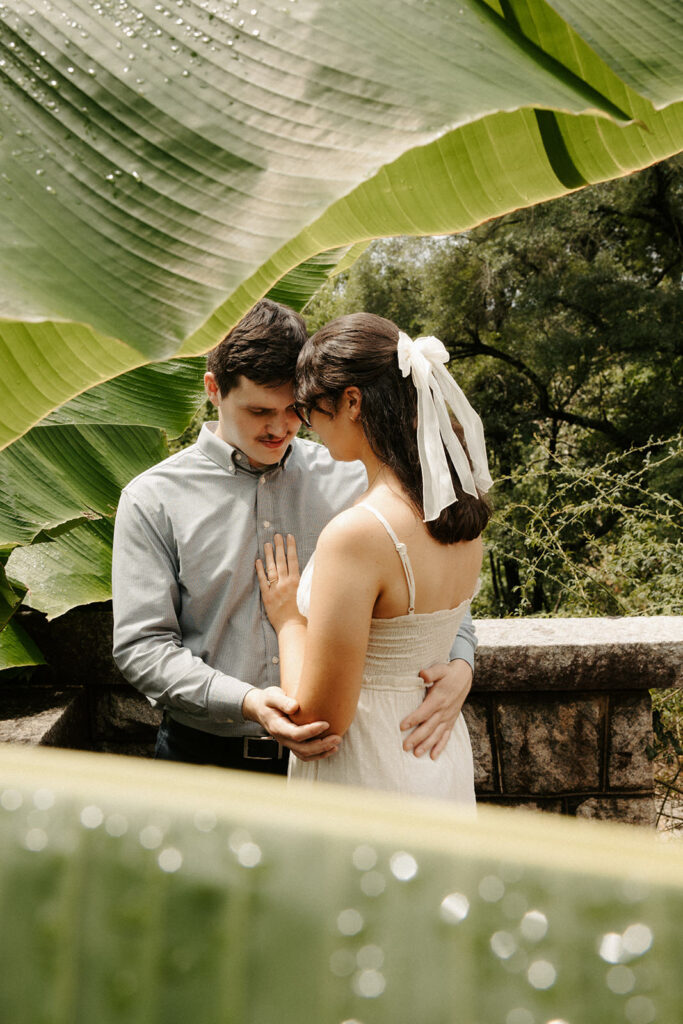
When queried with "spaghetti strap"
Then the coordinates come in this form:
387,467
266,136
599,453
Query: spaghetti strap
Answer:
402,553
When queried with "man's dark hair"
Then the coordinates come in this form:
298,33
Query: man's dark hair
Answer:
263,346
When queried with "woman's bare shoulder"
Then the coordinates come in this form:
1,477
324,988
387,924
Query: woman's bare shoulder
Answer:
355,530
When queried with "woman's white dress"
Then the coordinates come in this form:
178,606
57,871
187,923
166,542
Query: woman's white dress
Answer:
371,752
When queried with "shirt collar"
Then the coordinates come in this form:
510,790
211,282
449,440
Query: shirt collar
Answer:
227,456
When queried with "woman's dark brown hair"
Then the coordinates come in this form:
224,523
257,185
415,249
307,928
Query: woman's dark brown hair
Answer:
360,350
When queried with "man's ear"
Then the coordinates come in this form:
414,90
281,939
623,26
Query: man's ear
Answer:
211,387
354,398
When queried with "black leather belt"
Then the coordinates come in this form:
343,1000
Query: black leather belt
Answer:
260,748
200,747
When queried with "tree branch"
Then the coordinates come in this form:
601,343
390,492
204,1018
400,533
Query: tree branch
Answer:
480,347
546,409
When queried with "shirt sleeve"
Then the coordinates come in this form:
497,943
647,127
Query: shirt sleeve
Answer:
148,643
465,643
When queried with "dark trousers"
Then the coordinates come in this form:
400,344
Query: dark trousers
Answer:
176,742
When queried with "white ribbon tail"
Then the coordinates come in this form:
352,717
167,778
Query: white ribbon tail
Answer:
472,428
437,486
456,451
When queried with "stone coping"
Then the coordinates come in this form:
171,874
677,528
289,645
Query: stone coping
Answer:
630,653
559,632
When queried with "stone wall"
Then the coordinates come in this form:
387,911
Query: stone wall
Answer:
559,715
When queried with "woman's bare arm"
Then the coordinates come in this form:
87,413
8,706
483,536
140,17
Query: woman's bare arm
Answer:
322,663
292,645
346,583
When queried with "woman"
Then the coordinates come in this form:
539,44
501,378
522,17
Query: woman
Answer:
393,576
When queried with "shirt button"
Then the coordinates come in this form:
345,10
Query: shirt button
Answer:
266,523
275,660
238,456
262,480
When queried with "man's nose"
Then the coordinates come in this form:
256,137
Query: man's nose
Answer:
280,423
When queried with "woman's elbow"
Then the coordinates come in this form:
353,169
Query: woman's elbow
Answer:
338,719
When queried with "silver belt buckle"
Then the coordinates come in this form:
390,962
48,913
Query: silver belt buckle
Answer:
246,740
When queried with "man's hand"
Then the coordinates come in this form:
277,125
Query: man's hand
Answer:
437,714
272,708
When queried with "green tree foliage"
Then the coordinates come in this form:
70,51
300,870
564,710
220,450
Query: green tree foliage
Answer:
563,322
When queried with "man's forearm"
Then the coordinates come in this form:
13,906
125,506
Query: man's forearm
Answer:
171,676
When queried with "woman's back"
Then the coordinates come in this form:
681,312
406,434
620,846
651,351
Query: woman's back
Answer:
445,575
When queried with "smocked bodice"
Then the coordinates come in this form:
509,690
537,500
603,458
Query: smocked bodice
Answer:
399,647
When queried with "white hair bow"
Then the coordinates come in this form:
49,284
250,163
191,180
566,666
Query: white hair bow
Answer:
425,359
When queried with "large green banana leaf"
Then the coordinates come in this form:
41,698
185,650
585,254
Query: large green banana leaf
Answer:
641,46
161,167
9,601
69,470
60,474
17,650
72,569
162,395
136,892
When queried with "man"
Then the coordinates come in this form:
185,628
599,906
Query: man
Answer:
189,628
